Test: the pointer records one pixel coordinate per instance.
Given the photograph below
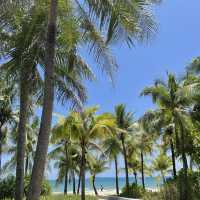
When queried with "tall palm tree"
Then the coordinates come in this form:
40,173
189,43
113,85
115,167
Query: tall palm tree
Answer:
69,68
98,165
124,121
109,15
114,18
112,149
43,137
168,96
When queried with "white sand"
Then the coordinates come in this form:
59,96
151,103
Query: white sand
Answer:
105,193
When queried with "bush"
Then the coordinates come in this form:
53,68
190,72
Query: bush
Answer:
167,192
171,189
45,190
7,187
194,183
134,191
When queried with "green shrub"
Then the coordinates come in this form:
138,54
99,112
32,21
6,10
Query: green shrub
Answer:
134,191
171,189
167,192
45,190
7,188
193,183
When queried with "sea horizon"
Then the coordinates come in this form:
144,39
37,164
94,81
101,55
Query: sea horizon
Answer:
108,183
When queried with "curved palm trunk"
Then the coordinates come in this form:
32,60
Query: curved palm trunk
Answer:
116,176
45,126
135,175
66,182
21,137
79,182
83,173
142,169
173,158
125,161
74,182
93,184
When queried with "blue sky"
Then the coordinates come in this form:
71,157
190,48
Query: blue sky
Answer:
173,47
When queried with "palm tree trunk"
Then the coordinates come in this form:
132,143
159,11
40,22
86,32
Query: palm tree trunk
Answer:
142,169
93,183
1,141
45,126
79,182
191,164
125,162
83,174
135,175
66,182
173,157
26,166
74,182
116,176
21,137
184,183
163,177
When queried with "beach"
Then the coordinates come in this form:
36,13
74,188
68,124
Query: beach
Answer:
108,184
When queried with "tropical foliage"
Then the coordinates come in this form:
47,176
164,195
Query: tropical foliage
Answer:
42,63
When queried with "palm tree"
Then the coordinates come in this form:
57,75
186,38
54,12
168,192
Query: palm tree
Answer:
112,20
112,148
162,163
133,156
115,23
156,121
67,80
84,128
123,120
96,166
65,153
168,96
43,137
30,146
144,141
134,165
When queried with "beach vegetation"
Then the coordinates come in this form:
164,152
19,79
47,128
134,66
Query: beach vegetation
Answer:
42,64
7,187
134,191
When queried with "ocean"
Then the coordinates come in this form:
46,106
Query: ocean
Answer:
108,183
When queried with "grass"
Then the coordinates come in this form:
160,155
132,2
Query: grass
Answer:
68,197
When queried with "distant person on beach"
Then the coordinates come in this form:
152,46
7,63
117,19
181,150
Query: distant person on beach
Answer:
101,188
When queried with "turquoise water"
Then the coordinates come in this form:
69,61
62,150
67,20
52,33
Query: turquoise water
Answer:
107,182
